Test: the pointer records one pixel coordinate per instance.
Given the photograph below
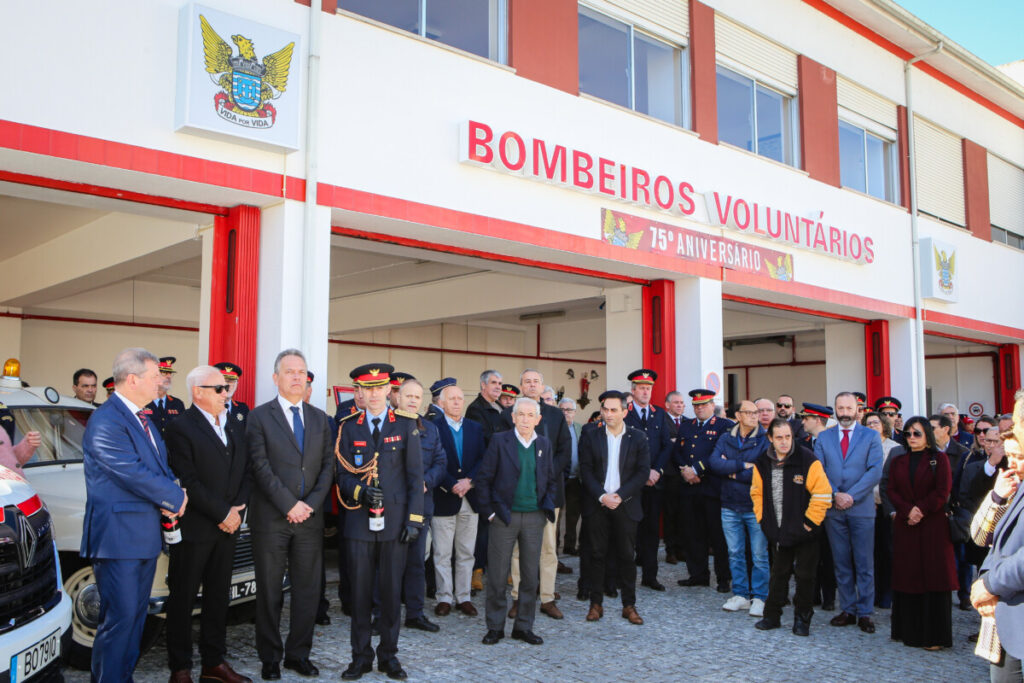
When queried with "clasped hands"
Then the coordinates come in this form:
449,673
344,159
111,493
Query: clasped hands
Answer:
233,520
611,500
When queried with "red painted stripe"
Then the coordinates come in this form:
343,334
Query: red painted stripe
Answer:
888,45
793,309
110,193
940,318
92,321
959,337
35,140
462,352
817,293
31,506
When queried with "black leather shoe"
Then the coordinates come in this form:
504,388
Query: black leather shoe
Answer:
355,671
767,624
271,671
303,667
653,584
801,627
492,637
724,587
843,619
323,620
866,624
693,581
346,609
392,669
423,624
527,637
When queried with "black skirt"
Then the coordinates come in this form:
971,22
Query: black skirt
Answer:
923,619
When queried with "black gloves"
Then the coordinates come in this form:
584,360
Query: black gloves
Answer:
372,497
410,534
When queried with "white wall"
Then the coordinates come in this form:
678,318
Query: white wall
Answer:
844,358
802,382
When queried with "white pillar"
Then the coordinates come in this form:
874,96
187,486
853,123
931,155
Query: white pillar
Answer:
282,320
902,368
623,316
699,354
844,358
205,294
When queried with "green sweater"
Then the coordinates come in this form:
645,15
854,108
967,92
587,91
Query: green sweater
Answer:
525,499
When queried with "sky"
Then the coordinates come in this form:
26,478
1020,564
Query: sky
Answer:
991,29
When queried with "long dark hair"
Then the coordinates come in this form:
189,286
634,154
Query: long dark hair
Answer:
926,427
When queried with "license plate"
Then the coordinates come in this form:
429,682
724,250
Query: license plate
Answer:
31,661
246,589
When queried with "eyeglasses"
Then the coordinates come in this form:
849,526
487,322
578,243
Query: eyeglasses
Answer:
783,405
568,410
917,434
219,388
889,413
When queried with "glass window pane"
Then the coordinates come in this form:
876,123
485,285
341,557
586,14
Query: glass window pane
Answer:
878,162
998,234
465,24
403,14
771,125
604,58
657,90
851,156
735,109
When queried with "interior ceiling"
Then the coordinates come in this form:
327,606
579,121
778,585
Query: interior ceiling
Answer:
27,223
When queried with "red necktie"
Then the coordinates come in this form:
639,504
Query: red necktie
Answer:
845,442
145,423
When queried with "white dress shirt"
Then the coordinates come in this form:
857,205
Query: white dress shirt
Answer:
134,410
217,422
526,444
286,406
611,477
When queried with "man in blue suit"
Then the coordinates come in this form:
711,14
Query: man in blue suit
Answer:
128,485
455,516
852,457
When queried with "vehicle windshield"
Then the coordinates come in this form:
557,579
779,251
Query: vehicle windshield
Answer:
61,430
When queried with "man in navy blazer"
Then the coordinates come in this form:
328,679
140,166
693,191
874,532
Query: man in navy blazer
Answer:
455,516
516,492
129,485
853,459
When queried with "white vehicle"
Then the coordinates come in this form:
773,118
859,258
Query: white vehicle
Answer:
56,472
35,613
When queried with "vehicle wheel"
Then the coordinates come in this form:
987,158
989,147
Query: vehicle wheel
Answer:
85,617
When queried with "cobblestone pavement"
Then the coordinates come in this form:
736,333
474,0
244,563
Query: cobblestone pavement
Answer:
686,635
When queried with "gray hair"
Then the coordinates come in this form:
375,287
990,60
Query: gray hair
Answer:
197,374
949,405
567,401
131,362
486,375
523,374
441,396
842,394
284,354
671,394
525,401
549,388
411,380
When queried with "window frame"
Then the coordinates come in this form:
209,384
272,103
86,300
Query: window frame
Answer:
791,151
888,138
682,69
1005,237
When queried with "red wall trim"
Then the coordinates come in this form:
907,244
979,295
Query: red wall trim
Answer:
888,45
543,42
969,340
972,324
1007,376
111,193
463,352
330,6
234,292
794,309
91,321
704,83
876,360
819,120
976,199
659,336
903,149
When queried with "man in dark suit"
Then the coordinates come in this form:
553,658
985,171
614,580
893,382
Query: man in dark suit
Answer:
655,423
237,410
615,466
516,490
381,470
292,461
165,408
455,517
128,485
207,452
485,409
434,410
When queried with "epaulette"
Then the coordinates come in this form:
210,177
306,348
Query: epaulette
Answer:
406,413
349,416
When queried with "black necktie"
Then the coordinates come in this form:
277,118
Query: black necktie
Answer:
376,431
643,417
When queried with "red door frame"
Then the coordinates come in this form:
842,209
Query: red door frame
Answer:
659,336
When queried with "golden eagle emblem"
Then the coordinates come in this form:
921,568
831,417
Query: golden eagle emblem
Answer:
247,84
614,232
782,269
945,267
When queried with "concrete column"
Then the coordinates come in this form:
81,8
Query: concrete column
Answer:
902,369
699,355
282,320
623,315
844,358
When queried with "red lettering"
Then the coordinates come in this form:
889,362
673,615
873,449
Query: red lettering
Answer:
792,230
622,181
757,229
723,216
869,253
581,165
480,136
835,245
855,244
686,204
659,182
555,163
520,151
777,232
641,179
745,223
819,235
603,175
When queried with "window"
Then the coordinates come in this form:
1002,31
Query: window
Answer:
632,69
866,162
1006,237
754,117
476,26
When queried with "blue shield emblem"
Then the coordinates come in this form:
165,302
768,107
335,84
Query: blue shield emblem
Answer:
359,459
246,90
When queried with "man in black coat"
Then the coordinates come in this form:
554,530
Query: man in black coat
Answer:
615,466
292,460
553,426
485,410
383,442
207,452
165,408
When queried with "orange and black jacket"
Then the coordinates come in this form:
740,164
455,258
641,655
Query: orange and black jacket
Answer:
806,496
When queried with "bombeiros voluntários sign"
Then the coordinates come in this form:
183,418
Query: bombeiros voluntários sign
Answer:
248,89
580,170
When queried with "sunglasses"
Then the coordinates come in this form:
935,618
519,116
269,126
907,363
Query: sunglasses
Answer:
783,405
916,433
219,388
